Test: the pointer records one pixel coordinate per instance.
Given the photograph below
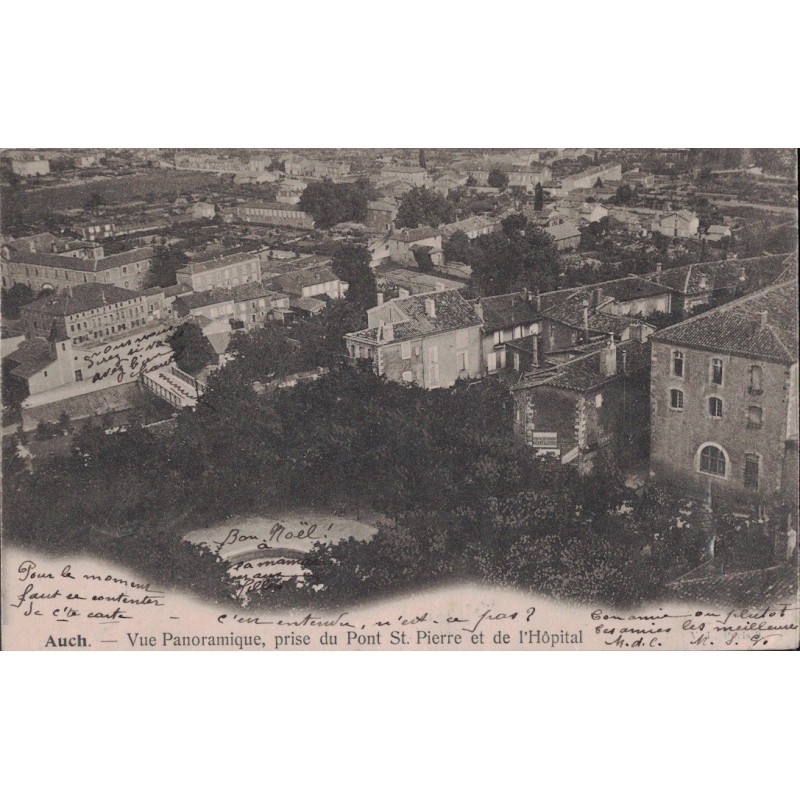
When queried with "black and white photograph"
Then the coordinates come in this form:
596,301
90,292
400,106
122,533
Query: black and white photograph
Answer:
376,398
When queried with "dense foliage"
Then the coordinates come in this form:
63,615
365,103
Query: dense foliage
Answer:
420,206
461,500
167,259
351,264
191,348
330,203
521,256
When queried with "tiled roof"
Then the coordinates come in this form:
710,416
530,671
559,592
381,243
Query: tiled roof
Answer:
197,267
738,328
566,230
381,205
415,234
759,271
776,584
83,297
453,313
418,281
584,374
409,168
40,241
295,282
310,304
506,310
236,294
475,223
81,264
31,356
128,257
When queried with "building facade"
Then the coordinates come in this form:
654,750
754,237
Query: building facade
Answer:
592,404
724,398
431,340
284,214
222,272
59,270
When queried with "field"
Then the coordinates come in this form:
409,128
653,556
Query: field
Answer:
122,189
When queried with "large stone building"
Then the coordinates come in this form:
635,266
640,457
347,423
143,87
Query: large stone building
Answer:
287,215
677,224
580,404
95,334
724,398
126,270
246,306
432,340
221,272
93,312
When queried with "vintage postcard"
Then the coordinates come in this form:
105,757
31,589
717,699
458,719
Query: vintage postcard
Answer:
392,399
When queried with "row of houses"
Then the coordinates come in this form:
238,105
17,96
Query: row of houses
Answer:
590,376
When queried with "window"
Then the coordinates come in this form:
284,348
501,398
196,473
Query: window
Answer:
716,371
78,375
677,363
712,460
715,407
497,337
405,350
755,379
676,399
751,471
755,417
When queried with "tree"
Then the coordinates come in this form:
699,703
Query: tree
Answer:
351,264
625,195
498,179
471,181
167,259
421,206
460,248
94,201
514,259
330,203
191,348
538,198
13,299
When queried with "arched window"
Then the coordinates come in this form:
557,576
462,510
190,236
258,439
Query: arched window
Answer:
712,460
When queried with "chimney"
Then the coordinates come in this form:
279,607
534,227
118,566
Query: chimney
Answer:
535,348
638,332
763,316
430,307
386,332
597,297
585,320
479,309
380,298
538,301
608,359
